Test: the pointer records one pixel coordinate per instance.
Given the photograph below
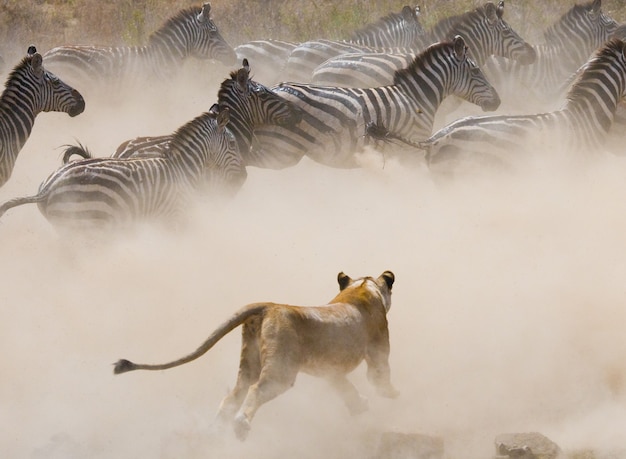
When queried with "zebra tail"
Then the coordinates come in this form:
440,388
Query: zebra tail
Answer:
78,150
19,201
123,365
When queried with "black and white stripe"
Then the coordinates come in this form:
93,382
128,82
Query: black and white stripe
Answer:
104,193
392,32
251,106
578,129
29,90
190,33
484,29
334,119
568,44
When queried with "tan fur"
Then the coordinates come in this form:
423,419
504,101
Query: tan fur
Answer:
281,340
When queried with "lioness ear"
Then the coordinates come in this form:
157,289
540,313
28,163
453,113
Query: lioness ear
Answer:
344,280
389,278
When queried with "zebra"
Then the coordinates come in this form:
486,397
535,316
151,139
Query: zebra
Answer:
190,33
29,90
333,118
508,142
251,105
394,31
110,193
568,44
484,29
271,53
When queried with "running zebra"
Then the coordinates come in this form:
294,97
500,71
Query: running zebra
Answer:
484,29
568,44
251,106
108,193
334,118
270,54
394,31
578,129
29,90
190,33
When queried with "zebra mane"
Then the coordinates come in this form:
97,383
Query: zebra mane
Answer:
206,122
18,69
595,64
181,16
381,24
422,58
444,27
552,31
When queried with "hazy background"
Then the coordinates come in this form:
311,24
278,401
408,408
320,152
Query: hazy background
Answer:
508,309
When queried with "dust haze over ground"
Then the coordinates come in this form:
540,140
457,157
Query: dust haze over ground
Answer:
508,308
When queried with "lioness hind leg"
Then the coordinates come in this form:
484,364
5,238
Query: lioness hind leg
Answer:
355,402
249,371
270,385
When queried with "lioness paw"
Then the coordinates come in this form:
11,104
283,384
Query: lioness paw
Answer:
388,392
242,427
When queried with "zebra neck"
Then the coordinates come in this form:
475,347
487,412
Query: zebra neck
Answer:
427,90
17,118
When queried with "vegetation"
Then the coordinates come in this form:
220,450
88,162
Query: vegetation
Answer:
51,23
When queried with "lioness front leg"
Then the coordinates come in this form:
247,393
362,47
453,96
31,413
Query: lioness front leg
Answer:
355,402
378,370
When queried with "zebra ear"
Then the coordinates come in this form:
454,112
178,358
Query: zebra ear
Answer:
242,79
500,10
205,14
343,280
460,50
409,14
214,110
36,64
223,117
596,6
491,13
31,50
245,64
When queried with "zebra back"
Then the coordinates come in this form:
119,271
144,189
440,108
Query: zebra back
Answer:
568,43
484,30
104,193
334,119
29,90
575,131
394,30
190,33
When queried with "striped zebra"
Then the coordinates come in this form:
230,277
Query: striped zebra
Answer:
251,105
108,193
29,90
394,31
568,44
334,118
190,33
270,54
484,29
578,129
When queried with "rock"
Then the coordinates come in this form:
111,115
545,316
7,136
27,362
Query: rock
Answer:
531,445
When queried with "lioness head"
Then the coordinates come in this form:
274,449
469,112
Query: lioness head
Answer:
381,286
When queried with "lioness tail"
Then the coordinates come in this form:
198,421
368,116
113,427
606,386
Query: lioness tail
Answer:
123,365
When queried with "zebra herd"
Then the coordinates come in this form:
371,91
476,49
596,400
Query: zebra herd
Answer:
386,81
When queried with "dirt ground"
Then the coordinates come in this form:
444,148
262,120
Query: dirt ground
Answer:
508,309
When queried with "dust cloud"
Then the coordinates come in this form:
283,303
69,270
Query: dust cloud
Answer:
508,309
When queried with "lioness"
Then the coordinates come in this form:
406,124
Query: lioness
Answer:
280,340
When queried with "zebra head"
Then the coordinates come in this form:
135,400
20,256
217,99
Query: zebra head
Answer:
468,81
206,41
48,92
581,30
252,104
506,41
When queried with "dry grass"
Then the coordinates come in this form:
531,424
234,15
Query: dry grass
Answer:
51,23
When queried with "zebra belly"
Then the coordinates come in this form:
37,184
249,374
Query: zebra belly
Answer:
109,194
